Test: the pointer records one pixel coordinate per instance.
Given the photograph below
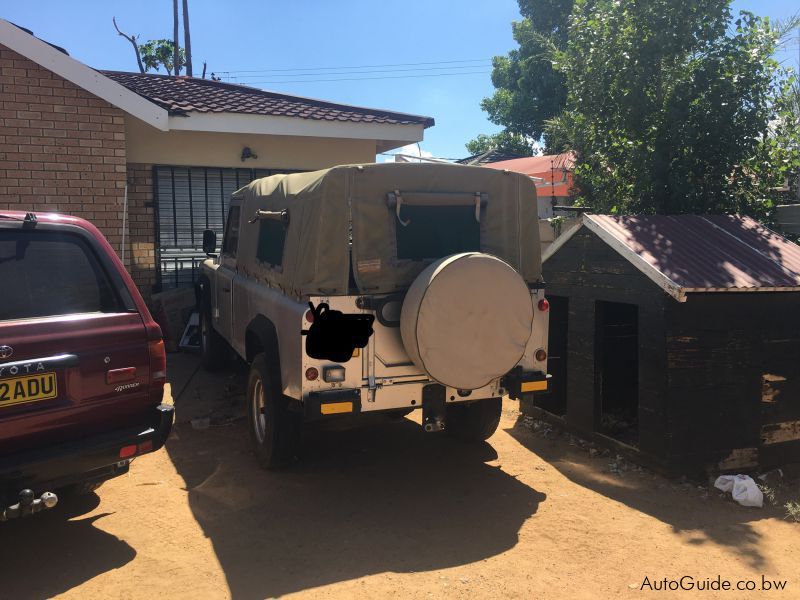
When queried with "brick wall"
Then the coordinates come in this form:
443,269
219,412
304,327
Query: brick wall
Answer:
141,228
61,148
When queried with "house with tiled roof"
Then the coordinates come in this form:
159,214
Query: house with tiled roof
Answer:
152,159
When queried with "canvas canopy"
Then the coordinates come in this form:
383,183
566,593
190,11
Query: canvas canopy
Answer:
367,228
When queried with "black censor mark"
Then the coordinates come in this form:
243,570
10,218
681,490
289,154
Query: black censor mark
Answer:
334,335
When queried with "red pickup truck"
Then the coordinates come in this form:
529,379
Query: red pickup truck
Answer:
82,363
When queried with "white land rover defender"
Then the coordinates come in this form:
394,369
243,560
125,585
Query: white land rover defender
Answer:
378,287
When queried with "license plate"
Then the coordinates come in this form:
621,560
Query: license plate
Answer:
30,388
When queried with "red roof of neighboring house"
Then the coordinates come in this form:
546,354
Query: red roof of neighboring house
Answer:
700,253
536,165
192,94
554,169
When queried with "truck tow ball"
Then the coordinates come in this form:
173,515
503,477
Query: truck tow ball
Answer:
29,505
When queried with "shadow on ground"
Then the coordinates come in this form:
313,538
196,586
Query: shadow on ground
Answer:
387,498
65,553
677,504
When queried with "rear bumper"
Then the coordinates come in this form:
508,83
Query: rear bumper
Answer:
96,458
519,382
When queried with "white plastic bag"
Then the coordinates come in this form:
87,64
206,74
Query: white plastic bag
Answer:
743,489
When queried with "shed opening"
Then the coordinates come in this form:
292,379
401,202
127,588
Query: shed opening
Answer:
617,370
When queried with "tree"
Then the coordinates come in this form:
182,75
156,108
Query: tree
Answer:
504,142
133,39
529,91
164,53
669,106
161,53
777,159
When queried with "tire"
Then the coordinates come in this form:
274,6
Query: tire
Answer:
214,350
274,430
473,421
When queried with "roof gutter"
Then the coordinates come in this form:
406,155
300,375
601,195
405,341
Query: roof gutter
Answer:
228,122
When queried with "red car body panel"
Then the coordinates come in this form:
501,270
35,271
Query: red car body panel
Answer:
90,402
86,404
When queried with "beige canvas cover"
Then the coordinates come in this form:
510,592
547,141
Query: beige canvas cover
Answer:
345,214
462,335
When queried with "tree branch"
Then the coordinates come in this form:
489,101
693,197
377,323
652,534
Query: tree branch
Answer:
132,40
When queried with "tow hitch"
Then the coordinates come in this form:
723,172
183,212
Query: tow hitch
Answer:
433,408
29,505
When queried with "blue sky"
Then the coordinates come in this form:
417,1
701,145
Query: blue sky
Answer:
320,37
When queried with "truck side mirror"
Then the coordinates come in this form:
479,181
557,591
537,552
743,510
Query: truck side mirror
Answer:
209,242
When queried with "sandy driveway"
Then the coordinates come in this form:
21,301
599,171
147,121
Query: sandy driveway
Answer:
384,511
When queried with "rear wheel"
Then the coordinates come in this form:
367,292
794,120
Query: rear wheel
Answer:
274,429
214,349
473,421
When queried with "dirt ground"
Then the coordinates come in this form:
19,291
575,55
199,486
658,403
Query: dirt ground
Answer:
384,511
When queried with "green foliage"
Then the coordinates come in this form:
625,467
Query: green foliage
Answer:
503,141
793,511
160,53
528,90
673,107
776,161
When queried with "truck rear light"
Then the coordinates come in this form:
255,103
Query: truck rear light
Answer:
145,447
312,373
333,374
541,355
309,316
127,451
543,305
158,362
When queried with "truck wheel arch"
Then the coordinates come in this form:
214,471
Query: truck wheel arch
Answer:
262,337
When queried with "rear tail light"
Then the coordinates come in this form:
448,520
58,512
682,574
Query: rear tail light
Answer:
158,362
541,355
544,305
309,316
312,373
127,451
134,449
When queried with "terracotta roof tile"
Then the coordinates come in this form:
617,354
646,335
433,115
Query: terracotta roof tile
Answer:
191,94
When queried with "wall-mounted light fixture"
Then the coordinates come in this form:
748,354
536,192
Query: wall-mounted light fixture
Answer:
248,153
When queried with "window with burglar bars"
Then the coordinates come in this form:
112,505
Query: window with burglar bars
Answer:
189,200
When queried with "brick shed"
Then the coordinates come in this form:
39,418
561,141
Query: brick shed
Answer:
151,159
676,338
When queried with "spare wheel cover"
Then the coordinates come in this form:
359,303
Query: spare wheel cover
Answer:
467,319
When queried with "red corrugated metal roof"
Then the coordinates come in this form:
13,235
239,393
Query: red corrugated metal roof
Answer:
555,170
536,165
704,253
